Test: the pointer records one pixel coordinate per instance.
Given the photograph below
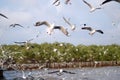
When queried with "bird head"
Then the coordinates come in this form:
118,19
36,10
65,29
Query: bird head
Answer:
37,24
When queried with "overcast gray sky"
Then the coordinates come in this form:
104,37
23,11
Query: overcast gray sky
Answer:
27,12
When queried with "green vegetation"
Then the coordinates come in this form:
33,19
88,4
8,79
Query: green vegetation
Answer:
59,52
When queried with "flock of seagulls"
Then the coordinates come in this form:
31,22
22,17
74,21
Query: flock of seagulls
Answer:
52,27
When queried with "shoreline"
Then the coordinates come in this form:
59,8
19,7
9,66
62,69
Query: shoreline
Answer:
61,65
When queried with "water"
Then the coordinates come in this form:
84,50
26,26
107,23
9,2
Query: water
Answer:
103,73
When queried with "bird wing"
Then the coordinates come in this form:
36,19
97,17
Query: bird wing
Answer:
30,40
11,25
19,42
68,72
4,16
53,72
100,31
87,28
62,29
106,1
56,2
87,3
18,25
67,1
43,23
67,21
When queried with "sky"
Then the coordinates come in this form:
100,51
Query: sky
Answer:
28,12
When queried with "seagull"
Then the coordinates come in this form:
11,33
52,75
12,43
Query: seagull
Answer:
56,1
25,77
51,27
92,8
3,15
25,43
92,31
106,1
13,25
59,72
71,25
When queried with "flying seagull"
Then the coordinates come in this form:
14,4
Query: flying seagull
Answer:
106,1
56,2
92,31
3,15
25,43
60,72
14,25
51,27
71,25
92,8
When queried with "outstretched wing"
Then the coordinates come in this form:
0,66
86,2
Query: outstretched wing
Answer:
87,3
68,72
67,21
19,25
53,72
42,23
106,1
20,42
67,1
100,31
62,29
56,2
87,28
4,16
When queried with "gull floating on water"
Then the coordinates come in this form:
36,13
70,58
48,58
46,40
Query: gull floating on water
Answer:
51,27
92,8
106,1
71,25
14,25
59,72
92,31
3,15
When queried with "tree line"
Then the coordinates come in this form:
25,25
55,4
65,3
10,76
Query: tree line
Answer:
59,52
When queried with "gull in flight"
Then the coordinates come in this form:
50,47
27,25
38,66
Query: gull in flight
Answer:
3,15
92,31
14,25
92,8
71,25
56,2
106,1
25,43
60,72
51,27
